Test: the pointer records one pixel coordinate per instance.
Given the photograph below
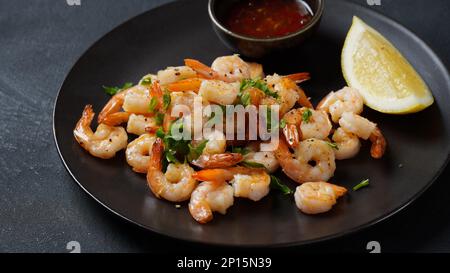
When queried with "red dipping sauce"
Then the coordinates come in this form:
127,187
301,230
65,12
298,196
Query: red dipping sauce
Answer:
268,18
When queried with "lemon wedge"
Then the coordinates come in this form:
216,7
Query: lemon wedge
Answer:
386,80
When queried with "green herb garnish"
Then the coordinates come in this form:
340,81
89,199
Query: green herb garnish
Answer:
260,84
363,184
250,164
275,183
112,90
282,123
146,81
333,145
159,119
170,156
306,115
152,105
240,150
245,99
166,100
196,152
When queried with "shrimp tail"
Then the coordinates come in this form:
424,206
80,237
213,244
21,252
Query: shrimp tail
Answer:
205,71
216,175
218,160
379,144
303,100
185,85
116,119
339,191
155,157
299,77
200,68
82,129
113,106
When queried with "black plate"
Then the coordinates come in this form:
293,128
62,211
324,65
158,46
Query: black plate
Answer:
166,35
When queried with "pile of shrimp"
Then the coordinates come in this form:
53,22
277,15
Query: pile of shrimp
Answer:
311,138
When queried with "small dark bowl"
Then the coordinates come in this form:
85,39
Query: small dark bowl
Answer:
259,47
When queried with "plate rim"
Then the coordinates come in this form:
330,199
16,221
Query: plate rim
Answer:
377,15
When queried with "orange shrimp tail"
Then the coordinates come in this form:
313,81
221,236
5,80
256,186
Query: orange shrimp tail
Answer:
155,157
113,106
156,92
379,144
215,175
185,85
303,100
218,160
339,191
200,68
116,119
299,77
87,116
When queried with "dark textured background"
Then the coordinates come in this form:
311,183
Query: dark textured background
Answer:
41,208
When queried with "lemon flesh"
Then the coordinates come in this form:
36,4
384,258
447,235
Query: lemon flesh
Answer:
385,79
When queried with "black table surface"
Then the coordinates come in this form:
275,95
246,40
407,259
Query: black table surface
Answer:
42,209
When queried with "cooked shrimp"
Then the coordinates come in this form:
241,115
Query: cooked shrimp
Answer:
288,93
265,158
317,197
209,197
348,144
357,125
345,100
137,124
148,78
379,144
299,77
113,106
206,71
365,129
219,92
214,155
249,183
251,186
105,142
192,84
138,153
175,74
177,184
216,144
232,68
137,99
256,71
212,161
317,125
115,119
313,160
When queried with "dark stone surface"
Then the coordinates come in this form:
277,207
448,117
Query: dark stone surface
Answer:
41,209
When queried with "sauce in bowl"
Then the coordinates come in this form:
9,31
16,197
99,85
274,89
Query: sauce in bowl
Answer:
268,18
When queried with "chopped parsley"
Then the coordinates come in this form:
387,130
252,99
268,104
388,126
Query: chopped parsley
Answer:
275,183
146,81
152,105
166,100
240,150
306,116
333,145
250,164
112,90
363,184
196,152
260,84
159,119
